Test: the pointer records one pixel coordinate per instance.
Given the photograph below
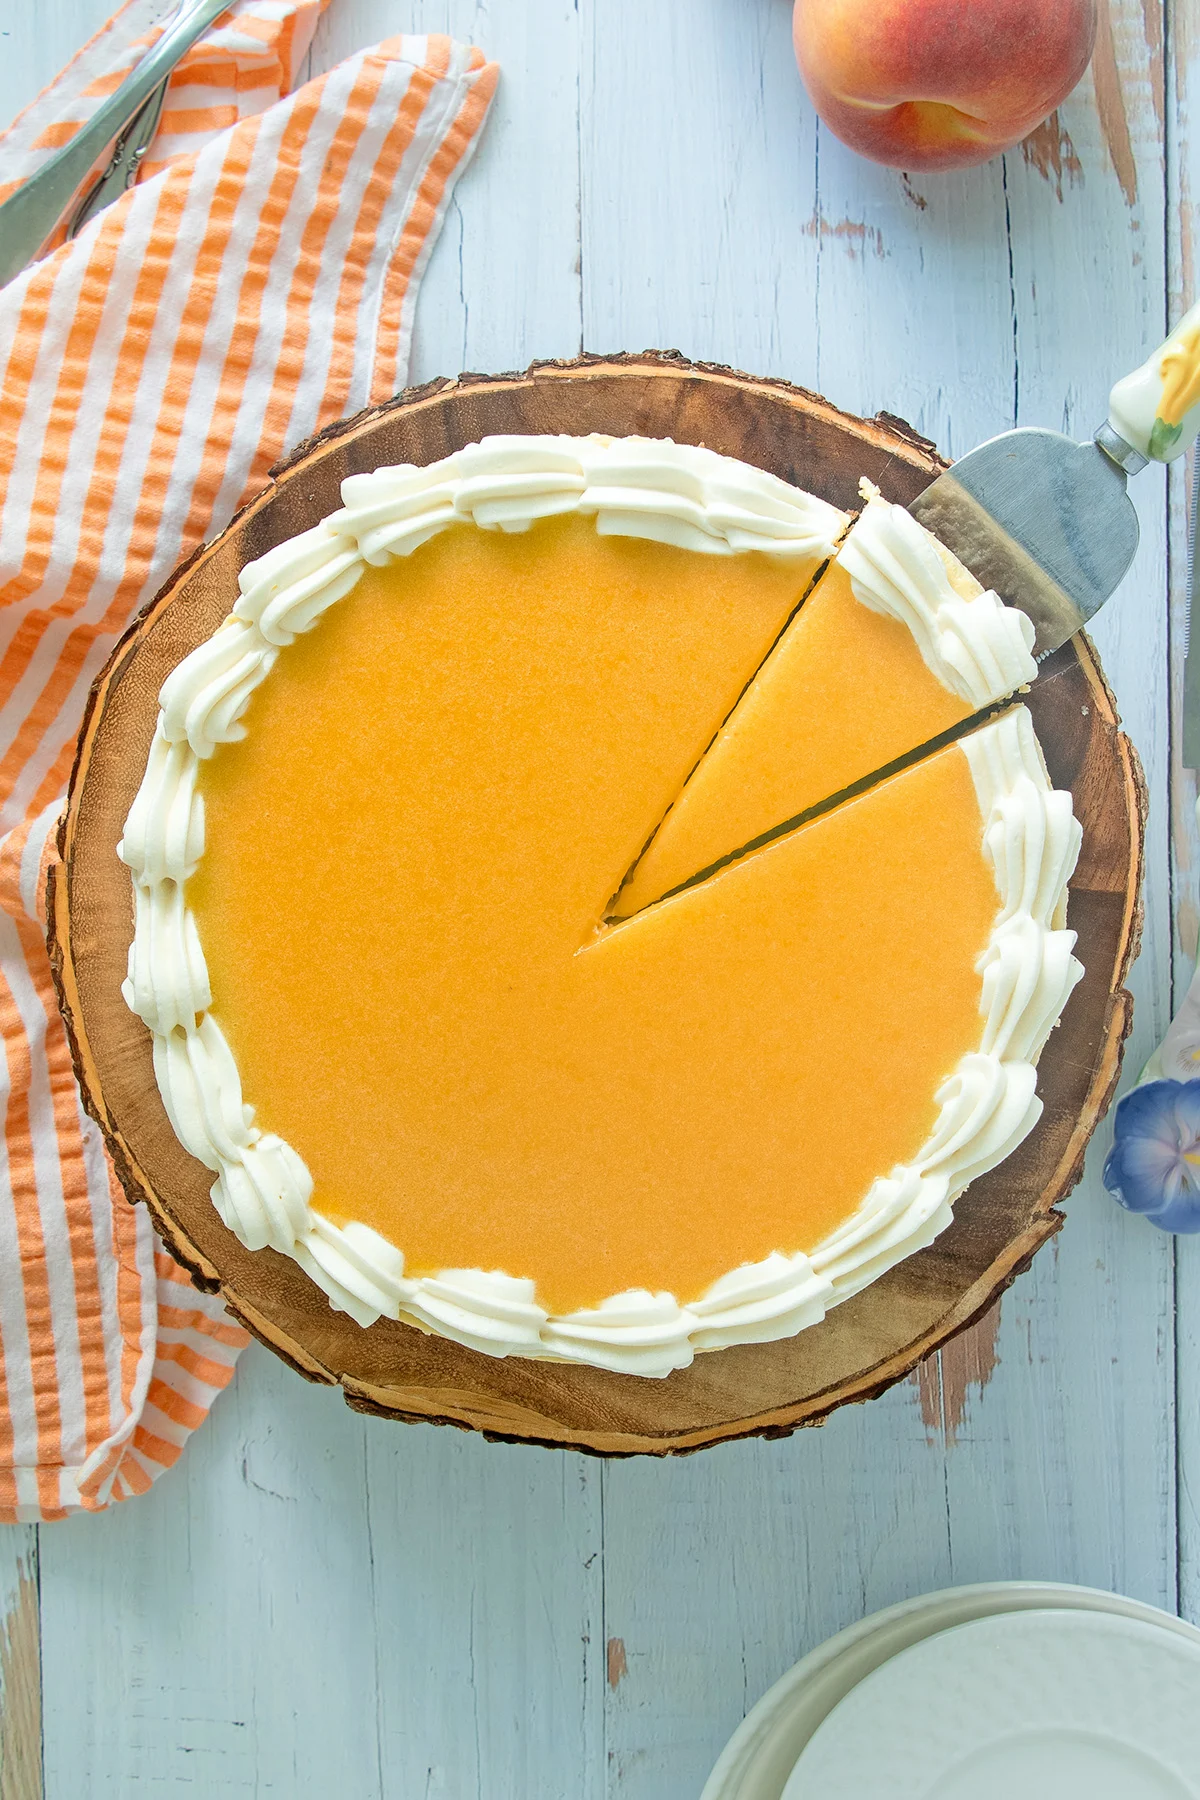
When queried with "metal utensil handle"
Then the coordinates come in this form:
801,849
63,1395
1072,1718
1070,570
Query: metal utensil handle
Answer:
127,153
29,217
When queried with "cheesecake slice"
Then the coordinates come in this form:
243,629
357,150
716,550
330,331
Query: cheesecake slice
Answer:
896,645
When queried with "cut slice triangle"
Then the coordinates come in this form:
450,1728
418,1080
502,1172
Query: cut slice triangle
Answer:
896,645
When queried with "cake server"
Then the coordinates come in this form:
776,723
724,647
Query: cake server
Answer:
29,217
1046,521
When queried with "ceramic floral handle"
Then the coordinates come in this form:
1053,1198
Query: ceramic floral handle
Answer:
1157,408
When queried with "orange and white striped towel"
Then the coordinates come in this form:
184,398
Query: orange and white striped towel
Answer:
259,285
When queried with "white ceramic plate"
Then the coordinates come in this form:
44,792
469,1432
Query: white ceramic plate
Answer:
1044,1705
760,1756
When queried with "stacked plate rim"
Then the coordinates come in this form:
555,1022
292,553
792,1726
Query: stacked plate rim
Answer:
761,1758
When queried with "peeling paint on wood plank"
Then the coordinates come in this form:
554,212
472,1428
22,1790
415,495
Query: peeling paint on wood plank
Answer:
21,1693
1050,151
1110,101
946,1381
855,233
1152,24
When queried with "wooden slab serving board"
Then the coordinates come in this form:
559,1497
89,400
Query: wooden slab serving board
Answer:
769,1389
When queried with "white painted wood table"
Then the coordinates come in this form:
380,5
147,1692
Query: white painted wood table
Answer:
317,1604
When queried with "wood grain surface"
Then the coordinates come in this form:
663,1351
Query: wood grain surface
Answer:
318,1603
392,1369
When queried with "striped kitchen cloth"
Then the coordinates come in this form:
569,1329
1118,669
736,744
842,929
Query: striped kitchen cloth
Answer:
257,283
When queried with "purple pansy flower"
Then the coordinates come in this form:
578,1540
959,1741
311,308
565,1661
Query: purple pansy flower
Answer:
1154,1164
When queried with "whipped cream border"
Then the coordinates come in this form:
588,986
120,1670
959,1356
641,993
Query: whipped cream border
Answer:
970,640
698,500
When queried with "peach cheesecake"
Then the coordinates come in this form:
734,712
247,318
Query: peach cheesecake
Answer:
593,900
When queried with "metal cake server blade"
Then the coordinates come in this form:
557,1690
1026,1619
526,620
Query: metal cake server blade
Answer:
1046,521
1043,520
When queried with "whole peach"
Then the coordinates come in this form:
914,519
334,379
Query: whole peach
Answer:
939,84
